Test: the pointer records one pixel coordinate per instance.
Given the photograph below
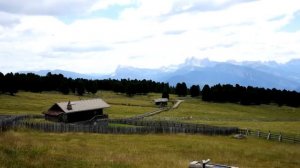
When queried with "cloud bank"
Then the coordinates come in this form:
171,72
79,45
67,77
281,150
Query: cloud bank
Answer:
97,36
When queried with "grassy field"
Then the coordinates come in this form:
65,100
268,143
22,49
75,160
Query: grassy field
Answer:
263,117
36,103
29,148
31,103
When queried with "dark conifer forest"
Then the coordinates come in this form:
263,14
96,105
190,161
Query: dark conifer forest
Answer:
11,83
249,95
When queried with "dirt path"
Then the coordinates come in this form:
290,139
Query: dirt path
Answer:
177,104
148,114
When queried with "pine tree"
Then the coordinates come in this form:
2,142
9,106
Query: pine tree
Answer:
195,90
181,89
80,88
10,84
206,93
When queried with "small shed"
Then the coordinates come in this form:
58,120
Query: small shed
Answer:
161,101
74,111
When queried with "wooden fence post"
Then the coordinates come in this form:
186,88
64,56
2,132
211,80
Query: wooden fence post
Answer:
269,135
280,137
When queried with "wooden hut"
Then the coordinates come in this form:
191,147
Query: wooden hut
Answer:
161,101
74,111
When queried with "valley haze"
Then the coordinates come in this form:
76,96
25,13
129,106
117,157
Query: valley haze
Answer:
203,71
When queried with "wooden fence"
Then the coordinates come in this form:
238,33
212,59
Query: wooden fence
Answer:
138,127
128,104
61,127
270,136
194,128
7,122
142,116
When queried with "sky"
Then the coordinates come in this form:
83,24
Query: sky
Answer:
97,36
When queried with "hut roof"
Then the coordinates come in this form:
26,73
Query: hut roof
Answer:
83,105
161,100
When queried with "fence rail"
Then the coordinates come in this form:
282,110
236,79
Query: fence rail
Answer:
270,136
128,104
7,122
61,127
139,127
142,116
196,128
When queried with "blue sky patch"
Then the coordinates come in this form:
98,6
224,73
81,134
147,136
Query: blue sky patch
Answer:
112,12
277,18
294,24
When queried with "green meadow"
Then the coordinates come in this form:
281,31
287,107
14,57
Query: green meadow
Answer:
36,103
264,117
30,148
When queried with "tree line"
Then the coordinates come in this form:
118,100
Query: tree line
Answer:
11,83
249,95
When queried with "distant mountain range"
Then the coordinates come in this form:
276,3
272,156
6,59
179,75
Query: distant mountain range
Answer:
195,71
68,74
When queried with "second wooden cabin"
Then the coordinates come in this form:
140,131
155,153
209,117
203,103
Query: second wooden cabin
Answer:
161,101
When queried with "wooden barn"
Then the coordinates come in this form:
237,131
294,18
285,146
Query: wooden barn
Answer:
74,111
161,101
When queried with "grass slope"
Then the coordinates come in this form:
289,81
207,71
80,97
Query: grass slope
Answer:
264,117
27,148
36,103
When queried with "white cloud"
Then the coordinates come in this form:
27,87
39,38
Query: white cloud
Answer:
8,20
104,4
147,34
46,7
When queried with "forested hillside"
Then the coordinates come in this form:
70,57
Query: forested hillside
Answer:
246,95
